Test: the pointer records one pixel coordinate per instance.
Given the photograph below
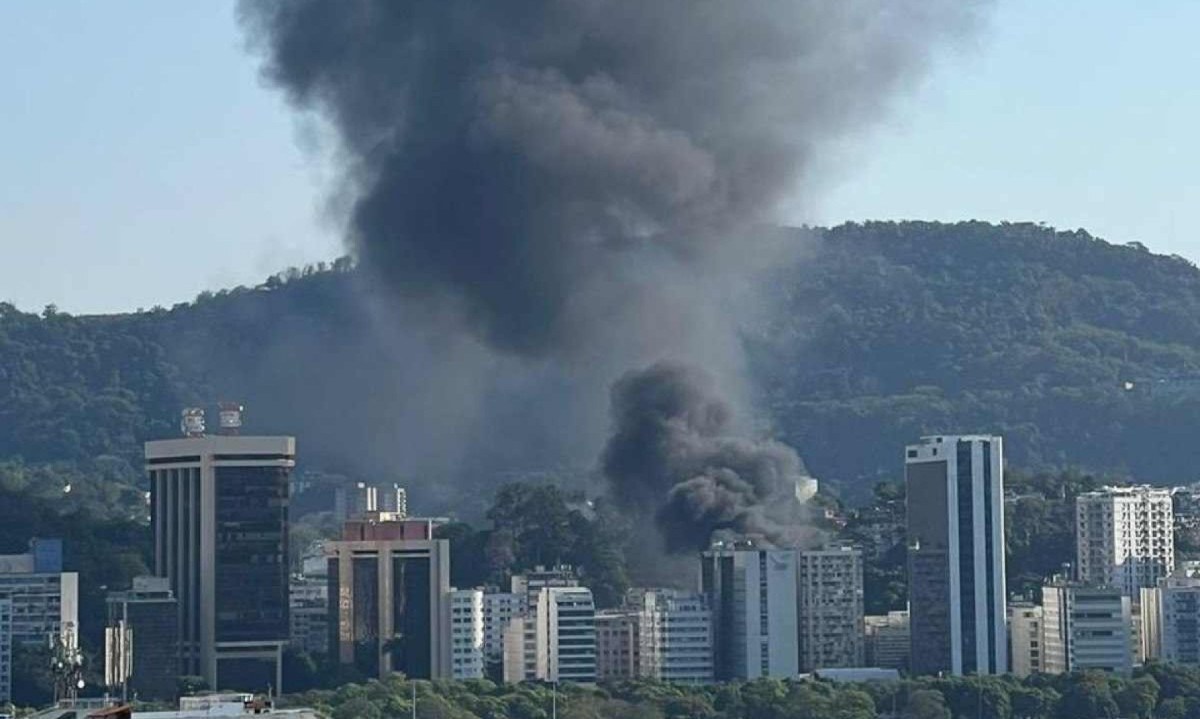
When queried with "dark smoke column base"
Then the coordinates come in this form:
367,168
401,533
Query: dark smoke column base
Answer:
219,514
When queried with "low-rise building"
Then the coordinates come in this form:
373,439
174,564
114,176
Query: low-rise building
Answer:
308,613
142,640
45,599
1025,639
1086,627
619,635
1180,620
886,640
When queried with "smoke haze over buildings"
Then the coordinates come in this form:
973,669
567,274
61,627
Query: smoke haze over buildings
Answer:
572,185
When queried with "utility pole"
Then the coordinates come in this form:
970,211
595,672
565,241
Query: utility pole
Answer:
413,684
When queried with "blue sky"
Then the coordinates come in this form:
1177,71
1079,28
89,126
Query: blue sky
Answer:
141,161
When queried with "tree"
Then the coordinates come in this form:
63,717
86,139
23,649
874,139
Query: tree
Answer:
926,704
1087,695
1137,698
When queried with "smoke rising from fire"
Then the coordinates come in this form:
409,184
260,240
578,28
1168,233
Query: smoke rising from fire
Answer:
573,182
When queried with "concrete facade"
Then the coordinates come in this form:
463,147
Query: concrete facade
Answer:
886,640
1026,640
752,595
1124,537
831,608
1086,628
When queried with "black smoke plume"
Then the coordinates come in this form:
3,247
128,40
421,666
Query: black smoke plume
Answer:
571,181
674,451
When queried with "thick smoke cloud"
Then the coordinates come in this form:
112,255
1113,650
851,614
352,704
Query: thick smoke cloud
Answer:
673,449
573,182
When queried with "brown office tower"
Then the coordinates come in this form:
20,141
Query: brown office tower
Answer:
389,584
219,511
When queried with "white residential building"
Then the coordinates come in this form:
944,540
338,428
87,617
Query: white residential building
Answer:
752,595
831,608
1179,615
956,564
466,633
6,644
886,640
1026,640
499,610
681,637
1086,627
1124,537
45,599
571,635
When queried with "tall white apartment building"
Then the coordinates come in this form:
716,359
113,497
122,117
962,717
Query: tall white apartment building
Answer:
831,608
1124,537
886,640
499,611
1086,627
681,647
1026,640
1179,619
466,633
535,607
571,635
752,595
6,644
45,599
956,588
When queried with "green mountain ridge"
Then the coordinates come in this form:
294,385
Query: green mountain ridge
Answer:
877,334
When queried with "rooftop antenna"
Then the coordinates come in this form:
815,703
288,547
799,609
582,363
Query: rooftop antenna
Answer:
231,417
191,422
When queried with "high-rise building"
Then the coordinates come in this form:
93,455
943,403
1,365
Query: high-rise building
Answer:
308,612
142,640
45,599
752,595
676,641
886,640
1025,639
535,608
391,581
619,634
956,586
219,513
6,645
466,633
499,611
1124,537
571,635
831,608
1085,627
1179,617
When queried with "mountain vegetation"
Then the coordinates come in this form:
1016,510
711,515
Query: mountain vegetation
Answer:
1083,354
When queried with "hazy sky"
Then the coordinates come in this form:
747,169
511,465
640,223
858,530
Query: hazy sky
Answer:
141,161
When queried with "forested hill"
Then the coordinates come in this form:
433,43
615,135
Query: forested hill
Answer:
881,332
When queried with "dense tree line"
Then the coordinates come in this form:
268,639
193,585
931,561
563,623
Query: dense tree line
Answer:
1156,692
